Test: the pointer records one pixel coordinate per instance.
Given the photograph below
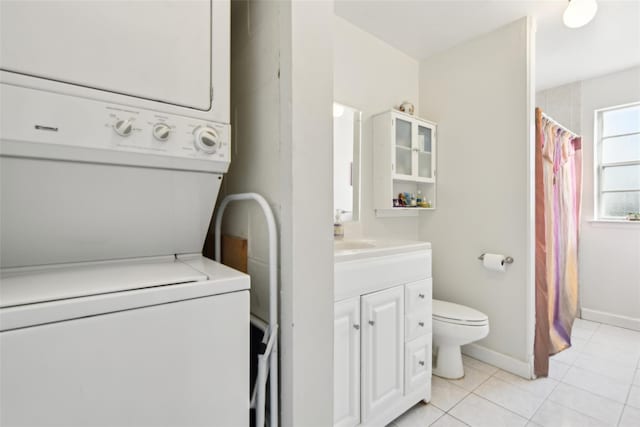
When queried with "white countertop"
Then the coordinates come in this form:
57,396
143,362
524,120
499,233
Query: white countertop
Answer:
375,248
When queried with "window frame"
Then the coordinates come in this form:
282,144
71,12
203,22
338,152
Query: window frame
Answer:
600,166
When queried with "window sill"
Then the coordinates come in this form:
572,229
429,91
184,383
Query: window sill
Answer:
604,222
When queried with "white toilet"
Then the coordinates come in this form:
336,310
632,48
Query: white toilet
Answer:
454,325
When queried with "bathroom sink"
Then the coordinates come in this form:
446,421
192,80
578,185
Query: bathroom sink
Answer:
345,245
351,249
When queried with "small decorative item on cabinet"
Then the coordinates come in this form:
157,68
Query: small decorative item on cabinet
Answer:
407,200
406,107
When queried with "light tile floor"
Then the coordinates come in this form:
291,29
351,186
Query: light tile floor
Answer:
594,383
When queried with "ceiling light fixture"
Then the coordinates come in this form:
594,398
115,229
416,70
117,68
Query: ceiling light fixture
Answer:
579,13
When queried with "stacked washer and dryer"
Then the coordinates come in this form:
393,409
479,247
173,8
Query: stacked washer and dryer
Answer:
114,138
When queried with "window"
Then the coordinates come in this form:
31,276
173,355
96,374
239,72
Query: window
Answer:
618,161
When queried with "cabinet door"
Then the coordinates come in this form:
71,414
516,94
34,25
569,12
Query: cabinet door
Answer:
403,146
424,151
346,363
383,349
183,364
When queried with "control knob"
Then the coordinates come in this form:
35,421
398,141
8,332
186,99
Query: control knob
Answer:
161,131
206,139
123,127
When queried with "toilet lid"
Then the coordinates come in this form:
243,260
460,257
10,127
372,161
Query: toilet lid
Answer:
456,313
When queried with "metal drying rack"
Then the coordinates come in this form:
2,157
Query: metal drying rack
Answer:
268,360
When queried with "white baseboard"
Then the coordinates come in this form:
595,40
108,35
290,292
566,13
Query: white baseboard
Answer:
499,360
611,319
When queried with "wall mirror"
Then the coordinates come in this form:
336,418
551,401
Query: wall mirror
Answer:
346,161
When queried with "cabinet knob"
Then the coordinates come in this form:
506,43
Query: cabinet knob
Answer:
421,363
421,324
421,296
371,322
356,327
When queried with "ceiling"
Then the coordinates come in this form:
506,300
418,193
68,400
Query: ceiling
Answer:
421,28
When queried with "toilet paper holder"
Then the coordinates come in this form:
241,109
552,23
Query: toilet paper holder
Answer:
507,260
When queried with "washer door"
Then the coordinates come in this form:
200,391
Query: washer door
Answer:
156,50
181,364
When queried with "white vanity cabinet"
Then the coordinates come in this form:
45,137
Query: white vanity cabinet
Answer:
404,158
382,335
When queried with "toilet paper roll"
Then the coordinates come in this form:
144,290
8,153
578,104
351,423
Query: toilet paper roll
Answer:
494,262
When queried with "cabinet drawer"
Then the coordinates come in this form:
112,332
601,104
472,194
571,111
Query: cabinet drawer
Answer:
417,366
417,324
418,296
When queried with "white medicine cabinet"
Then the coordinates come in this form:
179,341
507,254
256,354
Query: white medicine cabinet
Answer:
404,163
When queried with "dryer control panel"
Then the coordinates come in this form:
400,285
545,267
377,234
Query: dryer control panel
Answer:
42,124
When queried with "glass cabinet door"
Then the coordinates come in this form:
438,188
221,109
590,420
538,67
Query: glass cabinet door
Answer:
403,147
425,152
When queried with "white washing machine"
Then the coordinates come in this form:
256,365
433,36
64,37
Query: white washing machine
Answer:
155,342
114,138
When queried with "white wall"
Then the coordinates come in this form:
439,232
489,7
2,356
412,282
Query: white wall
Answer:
255,145
281,100
308,231
373,77
609,252
564,104
480,95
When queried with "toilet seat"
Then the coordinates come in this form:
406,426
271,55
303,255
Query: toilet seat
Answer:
457,314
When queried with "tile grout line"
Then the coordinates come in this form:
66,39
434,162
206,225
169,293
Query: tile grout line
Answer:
600,395
587,391
600,373
500,406
447,413
546,398
620,416
441,415
460,401
541,405
522,389
458,419
595,394
599,421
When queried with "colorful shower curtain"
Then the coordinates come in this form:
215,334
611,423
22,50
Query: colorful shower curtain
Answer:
558,192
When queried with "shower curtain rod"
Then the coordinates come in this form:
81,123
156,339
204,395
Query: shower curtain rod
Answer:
566,129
